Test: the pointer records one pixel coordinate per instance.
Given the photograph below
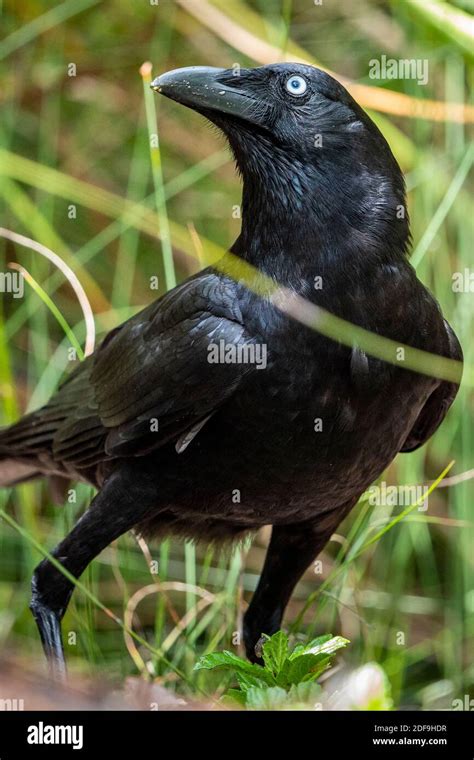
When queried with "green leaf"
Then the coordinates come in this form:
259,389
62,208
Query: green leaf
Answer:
229,661
322,645
221,660
271,698
275,652
305,693
287,680
233,696
307,662
246,681
308,667
303,648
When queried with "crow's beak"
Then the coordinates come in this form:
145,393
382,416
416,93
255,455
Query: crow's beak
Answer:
200,88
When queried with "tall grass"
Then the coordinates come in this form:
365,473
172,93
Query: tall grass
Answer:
84,141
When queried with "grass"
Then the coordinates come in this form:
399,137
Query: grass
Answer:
406,601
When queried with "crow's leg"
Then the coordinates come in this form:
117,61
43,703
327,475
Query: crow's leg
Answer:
291,550
122,502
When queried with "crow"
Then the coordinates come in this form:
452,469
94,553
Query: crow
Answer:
213,411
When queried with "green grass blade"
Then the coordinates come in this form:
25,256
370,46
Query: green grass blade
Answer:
155,154
43,23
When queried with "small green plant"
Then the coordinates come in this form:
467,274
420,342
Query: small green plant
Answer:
286,680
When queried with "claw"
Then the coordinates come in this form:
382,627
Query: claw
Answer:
49,626
258,648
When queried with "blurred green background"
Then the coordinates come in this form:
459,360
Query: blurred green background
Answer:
72,101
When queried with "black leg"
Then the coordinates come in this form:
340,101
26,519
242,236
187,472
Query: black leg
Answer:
122,502
291,550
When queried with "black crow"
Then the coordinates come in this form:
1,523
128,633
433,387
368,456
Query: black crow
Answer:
212,412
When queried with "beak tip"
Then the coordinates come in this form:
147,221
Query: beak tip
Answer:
156,85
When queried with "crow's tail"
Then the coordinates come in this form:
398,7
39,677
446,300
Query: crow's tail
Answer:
19,451
66,431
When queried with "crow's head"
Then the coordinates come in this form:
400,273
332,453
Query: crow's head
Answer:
303,145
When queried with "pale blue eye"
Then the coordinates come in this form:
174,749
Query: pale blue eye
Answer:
296,85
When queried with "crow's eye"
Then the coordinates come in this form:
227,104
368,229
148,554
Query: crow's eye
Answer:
296,85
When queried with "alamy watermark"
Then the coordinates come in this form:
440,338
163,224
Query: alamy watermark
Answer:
398,496
12,705
466,703
41,733
240,353
463,282
399,68
12,282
